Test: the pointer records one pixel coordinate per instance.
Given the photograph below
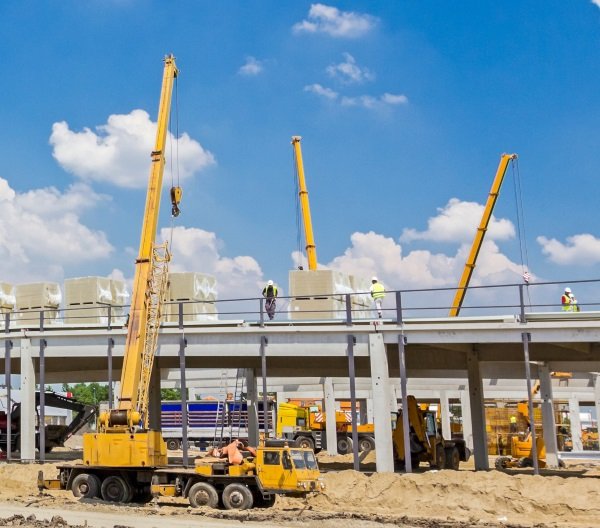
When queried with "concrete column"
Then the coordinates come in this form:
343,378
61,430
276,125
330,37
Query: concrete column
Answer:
330,432
370,409
467,427
362,415
381,404
394,404
251,401
28,411
445,414
548,421
154,418
116,393
597,396
575,424
480,450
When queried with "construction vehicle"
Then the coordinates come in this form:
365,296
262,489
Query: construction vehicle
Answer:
463,284
307,427
426,441
55,435
123,458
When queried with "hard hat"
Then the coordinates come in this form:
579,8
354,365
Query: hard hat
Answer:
567,290
373,279
270,283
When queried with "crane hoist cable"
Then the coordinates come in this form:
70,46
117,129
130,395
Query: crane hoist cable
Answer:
518,193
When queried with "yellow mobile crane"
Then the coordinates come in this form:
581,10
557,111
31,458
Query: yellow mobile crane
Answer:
311,250
480,234
124,461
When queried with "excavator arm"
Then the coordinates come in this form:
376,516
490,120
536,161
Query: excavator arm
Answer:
480,234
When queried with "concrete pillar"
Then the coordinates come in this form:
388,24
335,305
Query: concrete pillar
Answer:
154,418
28,410
251,401
116,393
381,404
575,424
445,414
548,421
597,396
370,409
362,415
480,450
467,427
330,430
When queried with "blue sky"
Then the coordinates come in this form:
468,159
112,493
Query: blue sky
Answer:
404,108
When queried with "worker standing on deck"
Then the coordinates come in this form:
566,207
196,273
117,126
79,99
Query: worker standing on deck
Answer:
270,293
568,301
377,293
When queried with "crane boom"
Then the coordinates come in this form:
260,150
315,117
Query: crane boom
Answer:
480,234
311,250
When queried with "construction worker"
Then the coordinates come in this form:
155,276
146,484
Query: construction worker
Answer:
513,424
377,293
270,293
568,301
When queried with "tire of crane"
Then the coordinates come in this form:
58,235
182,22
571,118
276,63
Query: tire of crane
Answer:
237,496
440,458
452,458
305,442
366,443
344,445
116,489
86,485
173,444
203,494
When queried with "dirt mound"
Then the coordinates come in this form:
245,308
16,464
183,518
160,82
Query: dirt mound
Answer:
32,522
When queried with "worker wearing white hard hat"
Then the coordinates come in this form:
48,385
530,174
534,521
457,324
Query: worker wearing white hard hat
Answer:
377,293
568,301
270,293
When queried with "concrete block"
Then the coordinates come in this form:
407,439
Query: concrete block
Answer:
319,283
37,295
192,286
317,309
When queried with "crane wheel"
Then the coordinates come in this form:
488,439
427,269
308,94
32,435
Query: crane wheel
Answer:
203,494
173,444
305,442
452,458
440,458
116,489
344,445
237,497
366,443
86,485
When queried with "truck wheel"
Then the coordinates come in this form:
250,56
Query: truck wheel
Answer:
237,497
115,489
173,444
452,458
203,494
305,442
344,445
440,458
366,443
86,485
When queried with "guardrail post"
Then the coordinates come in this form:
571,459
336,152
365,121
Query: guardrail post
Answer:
262,311
42,382
398,307
108,325
180,315
7,323
348,309
41,320
522,303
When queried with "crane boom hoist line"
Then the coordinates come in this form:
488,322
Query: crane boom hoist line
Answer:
311,250
463,284
123,438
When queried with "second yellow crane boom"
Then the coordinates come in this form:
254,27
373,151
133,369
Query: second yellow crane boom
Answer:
480,234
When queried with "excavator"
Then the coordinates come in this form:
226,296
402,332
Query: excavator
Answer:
126,461
465,279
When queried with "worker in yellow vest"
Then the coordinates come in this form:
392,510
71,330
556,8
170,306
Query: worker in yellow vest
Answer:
513,424
568,301
377,293
270,294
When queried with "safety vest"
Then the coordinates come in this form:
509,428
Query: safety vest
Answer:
566,303
513,419
377,291
266,291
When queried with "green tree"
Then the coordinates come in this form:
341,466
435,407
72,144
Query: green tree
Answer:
170,394
91,393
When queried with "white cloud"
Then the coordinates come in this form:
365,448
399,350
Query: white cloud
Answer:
197,250
348,72
252,67
596,2
321,91
335,23
457,221
119,151
41,233
582,250
393,99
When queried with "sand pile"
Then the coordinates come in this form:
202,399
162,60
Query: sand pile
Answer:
20,480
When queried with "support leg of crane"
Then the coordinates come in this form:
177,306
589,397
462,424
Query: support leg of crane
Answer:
480,451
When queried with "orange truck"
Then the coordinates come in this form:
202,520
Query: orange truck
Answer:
307,427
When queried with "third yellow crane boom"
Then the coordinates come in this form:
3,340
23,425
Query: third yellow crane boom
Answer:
311,250
480,234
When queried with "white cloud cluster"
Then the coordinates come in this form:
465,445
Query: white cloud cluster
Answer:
335,23
41,232
365,101
197,250
583,250
457,221
348,72
119,151
251,67
596,2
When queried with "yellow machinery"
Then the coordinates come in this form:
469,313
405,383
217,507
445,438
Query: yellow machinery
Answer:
307,427
480,234
311,250
426,441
